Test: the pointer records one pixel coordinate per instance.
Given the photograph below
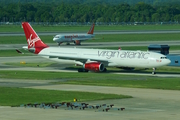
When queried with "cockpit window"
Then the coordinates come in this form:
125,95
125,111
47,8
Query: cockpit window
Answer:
163,58
56,36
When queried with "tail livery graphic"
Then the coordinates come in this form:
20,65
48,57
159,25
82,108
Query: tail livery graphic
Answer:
91,30
33,40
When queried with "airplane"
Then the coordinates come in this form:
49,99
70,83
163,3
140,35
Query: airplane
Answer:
76,38
93,59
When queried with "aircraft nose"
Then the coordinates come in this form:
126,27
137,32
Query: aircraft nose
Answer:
54,39
168,61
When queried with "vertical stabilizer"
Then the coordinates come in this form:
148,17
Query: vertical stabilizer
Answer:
91,30
32,38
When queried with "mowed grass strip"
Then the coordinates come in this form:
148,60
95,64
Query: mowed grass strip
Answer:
27,64
11,53
99,38
143,48
101,79
136,37
41,75
131,82
18,96
51,28
22,39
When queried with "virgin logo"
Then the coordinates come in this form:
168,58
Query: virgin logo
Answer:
31,42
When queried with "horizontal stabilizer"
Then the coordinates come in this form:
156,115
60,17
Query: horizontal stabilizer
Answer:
18,51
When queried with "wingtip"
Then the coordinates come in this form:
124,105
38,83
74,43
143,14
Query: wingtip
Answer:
18,51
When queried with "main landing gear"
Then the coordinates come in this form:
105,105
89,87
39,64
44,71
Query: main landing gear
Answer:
82,70
67,43
60,43
154,71
85,70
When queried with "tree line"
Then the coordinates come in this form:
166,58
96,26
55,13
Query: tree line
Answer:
67,12
111,2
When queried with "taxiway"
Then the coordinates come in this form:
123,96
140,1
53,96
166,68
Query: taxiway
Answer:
97,44
95,32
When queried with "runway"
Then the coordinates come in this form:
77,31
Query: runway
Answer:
95,32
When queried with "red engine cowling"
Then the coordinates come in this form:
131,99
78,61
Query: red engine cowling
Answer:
94,66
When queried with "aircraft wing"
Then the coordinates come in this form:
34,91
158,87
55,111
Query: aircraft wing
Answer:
83,60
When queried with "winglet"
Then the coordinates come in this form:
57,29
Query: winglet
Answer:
91,30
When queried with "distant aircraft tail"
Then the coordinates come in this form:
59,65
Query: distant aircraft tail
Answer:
91,30
35,44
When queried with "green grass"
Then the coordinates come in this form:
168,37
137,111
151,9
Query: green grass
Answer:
100,38
143,48
11,53
104,79
133,82
42,28
22,39
25,64
18,96
44,75
136,37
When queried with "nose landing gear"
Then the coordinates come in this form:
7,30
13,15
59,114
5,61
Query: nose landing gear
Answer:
154,71
60,43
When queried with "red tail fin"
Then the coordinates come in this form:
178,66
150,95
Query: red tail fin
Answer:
32,38
91,30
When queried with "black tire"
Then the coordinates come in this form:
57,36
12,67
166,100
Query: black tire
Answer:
82,70
105,70
153,73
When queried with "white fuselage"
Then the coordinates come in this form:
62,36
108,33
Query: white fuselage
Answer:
72,37
118,58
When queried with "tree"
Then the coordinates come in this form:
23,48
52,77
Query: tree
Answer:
177,18
156,17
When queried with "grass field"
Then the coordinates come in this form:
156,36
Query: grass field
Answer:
131,82
18,96
26,64
11,53
100,38
85,28
102,79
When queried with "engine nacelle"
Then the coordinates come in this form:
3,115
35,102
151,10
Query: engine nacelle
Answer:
77,42
94,66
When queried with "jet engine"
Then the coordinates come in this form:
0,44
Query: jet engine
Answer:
77,42
94,66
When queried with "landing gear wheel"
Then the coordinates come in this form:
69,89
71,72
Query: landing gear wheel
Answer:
82,70
60,43
154,71
105,70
